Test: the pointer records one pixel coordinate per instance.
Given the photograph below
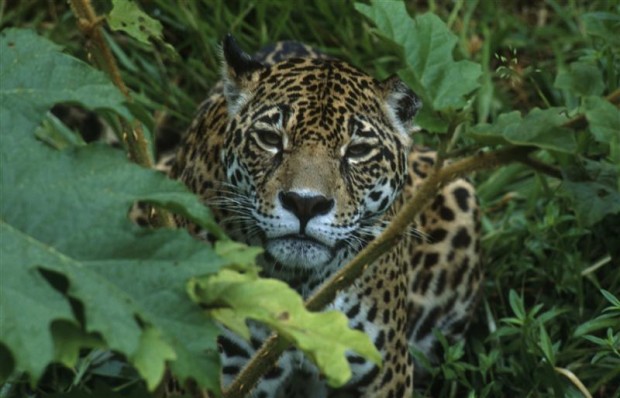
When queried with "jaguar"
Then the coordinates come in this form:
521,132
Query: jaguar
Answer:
310,158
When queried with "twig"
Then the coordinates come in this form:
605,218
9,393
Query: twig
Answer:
272,348
89,23
541,167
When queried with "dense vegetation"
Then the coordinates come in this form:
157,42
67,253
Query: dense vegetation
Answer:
539,77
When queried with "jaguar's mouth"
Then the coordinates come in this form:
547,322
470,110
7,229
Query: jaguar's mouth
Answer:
299,251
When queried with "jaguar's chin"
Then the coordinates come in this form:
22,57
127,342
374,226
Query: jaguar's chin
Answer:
297,251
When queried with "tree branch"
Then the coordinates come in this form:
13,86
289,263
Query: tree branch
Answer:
541,167
89,23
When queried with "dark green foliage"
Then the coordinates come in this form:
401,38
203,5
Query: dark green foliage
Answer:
552,245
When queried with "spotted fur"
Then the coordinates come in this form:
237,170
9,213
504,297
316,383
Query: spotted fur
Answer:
311,158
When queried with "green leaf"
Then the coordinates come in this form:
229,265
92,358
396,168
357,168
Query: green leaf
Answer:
128,17
66,235
582,78
593,189
29,304
54,132
541,128
324,337
431,120
546,346
240,256
601,322
613,300
516,303
152,356
602,25
492,134
596,340
69,339
603,119
35,75
431,71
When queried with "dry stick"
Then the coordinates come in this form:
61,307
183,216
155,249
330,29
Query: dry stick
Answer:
273,347
89,23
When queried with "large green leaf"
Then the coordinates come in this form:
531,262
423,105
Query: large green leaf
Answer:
65,234
427,43
35,76
602,26
581,78
325,337
593,188
603,119
541,128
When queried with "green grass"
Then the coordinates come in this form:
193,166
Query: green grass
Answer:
544,307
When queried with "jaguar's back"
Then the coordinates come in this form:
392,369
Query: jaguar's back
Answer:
311,158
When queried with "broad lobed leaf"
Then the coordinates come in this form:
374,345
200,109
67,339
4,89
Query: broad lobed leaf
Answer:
593,188
581,78
541,128
65,234
603,119
427,43
325,337
35,75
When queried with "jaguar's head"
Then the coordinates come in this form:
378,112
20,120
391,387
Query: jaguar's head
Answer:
318,149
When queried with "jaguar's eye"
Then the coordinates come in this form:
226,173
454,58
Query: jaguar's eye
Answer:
359,150
268,138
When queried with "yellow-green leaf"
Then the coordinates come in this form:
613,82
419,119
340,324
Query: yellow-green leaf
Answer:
151,356
324,337
129,18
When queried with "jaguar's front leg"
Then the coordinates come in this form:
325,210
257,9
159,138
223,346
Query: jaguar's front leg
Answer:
235,352
382,316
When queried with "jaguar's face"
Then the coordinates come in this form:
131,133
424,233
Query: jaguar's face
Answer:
318,149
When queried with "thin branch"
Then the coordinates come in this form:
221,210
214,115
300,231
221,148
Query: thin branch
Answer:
425,193
274,346
575,380
542,167
90,25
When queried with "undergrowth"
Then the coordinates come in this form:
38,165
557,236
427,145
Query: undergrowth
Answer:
549,320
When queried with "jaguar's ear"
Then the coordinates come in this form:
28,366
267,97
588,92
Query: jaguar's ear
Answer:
240,74
402,103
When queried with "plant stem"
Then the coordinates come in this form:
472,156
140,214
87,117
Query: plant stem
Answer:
89,23
541,167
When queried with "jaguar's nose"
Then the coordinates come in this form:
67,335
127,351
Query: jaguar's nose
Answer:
305,207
